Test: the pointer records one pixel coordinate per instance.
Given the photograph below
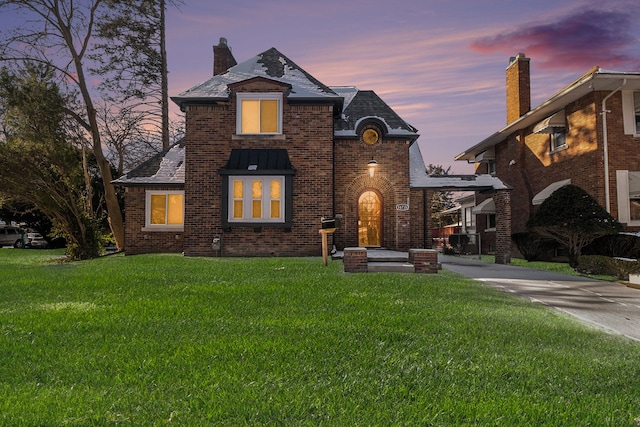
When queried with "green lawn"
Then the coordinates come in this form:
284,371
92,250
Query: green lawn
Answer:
167,340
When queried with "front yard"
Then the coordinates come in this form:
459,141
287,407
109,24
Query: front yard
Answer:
167,340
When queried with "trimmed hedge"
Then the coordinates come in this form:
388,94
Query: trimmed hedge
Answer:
607,266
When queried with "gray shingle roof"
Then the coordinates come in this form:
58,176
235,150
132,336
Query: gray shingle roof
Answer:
270,64
166,168
361,105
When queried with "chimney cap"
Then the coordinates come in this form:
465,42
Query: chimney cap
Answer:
518,56
223,41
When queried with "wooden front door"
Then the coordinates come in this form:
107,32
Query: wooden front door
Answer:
369,219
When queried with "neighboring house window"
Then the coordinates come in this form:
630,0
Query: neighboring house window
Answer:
628,192
631,112
469,217
558,140
491,221
257,199
491,167
164,209
259,113
636,109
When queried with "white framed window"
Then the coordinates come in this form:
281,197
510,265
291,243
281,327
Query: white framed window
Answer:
164,209
631,112
558,140
628,192
256,199
259,114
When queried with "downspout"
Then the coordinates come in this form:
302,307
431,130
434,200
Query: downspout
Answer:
605,145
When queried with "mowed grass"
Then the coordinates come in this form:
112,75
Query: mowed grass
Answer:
166,340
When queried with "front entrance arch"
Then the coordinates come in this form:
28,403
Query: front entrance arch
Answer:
370,219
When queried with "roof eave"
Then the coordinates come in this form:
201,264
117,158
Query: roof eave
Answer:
582,86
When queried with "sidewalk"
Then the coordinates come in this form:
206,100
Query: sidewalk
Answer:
609,305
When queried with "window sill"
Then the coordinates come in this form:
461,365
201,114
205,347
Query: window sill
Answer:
242,137
559,149
489,230
163,229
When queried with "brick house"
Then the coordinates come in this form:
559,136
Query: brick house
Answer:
587,134
268,152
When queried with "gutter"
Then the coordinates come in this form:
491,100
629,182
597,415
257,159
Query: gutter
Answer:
605,145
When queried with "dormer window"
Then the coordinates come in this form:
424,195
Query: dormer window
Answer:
259,114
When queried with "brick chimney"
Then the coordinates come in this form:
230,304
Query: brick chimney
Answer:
222,57
518,87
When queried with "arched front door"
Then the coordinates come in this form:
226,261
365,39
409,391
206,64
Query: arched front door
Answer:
369,219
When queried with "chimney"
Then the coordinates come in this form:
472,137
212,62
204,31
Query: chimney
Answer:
518,87
222,57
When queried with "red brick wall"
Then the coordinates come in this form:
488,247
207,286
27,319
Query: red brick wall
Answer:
308,138
136,239
582,161
391,181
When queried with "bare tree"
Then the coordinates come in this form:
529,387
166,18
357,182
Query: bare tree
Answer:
59,34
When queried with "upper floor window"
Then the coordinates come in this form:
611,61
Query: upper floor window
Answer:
164,209
259,113
631,112
491,167
558,140
636,109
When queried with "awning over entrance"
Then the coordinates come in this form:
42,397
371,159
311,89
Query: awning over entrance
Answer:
258,161
487,207
551,124
544,194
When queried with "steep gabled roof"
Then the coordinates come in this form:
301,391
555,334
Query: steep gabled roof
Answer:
363,105
270,64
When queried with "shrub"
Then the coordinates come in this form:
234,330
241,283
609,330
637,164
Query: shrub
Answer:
607,266
615,245
531,245
574,219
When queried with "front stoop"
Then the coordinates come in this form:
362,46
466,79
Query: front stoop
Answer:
360,260
390,267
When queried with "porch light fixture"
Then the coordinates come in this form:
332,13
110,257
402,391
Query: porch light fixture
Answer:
372,165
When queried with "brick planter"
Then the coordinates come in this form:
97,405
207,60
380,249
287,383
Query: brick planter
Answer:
355,260
424,260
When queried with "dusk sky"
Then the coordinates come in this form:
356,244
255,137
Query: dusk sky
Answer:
439,64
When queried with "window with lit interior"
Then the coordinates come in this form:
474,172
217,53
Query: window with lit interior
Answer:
257,199
164,209
259,113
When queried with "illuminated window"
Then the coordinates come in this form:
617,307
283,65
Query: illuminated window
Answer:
164,209
259,113
256,199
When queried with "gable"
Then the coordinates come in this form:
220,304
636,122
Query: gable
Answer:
270,65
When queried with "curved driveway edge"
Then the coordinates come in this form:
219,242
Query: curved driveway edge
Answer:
609,305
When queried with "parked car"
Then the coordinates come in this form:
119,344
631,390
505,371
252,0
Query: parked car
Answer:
35,240
11,236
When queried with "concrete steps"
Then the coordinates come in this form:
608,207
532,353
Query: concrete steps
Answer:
389,267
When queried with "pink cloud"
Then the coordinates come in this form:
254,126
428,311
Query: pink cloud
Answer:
578,41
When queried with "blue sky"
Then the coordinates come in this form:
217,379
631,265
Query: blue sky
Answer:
439,64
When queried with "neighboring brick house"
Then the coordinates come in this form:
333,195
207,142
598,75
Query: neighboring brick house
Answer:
587,134
268,152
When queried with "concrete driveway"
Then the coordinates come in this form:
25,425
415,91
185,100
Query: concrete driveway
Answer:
612,306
